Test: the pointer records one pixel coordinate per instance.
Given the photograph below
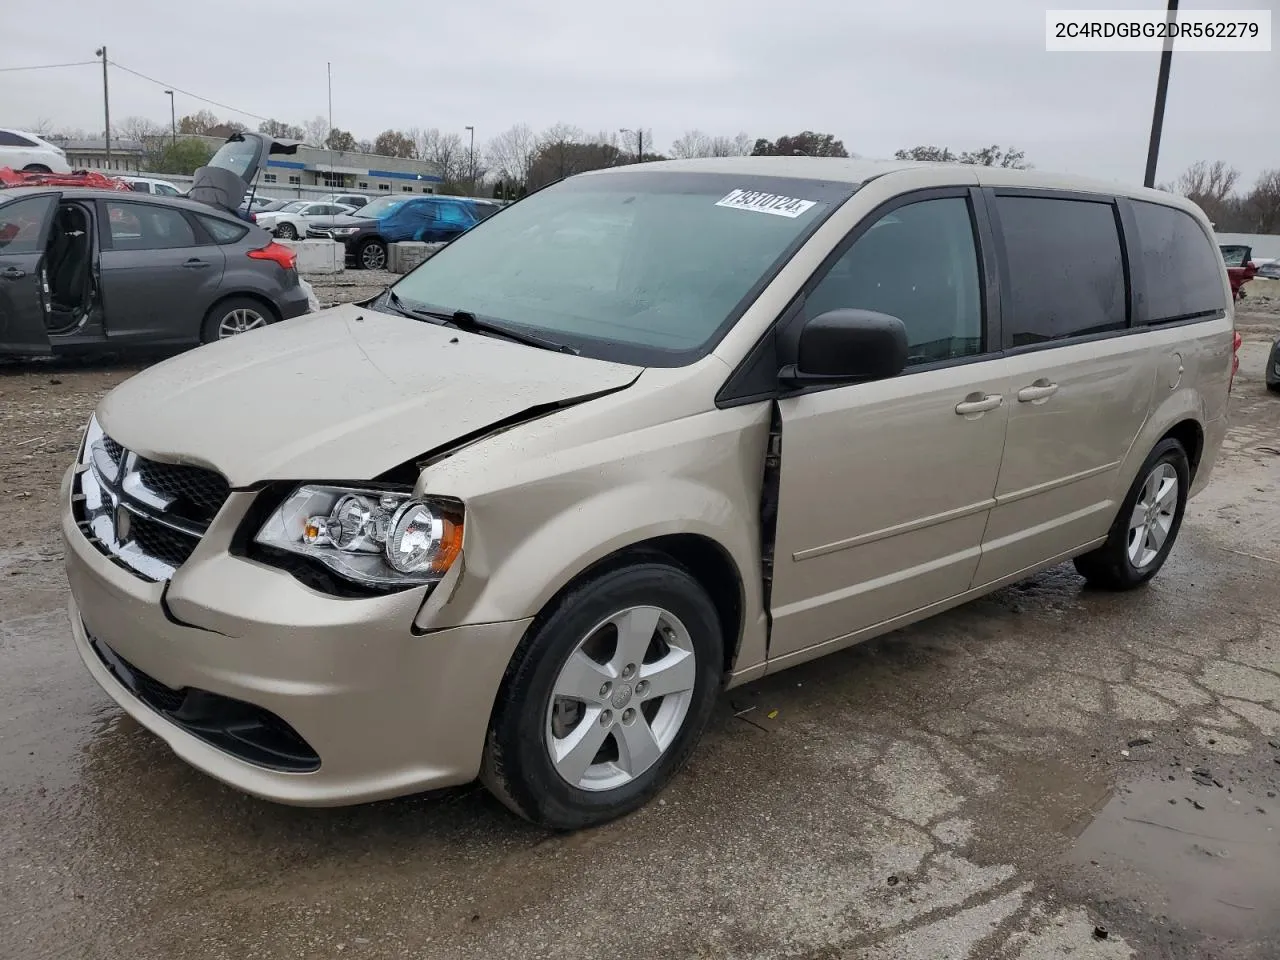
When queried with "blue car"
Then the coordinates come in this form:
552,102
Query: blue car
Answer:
396,219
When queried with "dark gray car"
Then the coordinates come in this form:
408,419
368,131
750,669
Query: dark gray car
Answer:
88,269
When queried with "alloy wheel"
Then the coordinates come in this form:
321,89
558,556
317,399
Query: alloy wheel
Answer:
240,320
621,698
1152,516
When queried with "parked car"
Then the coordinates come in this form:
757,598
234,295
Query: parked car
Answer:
522,520
261,204
159,188
25,151
1240,266
353,200
292,220
84,269
1273,367
367,232
1268,269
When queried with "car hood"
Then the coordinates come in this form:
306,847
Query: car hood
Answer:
345,220
343,394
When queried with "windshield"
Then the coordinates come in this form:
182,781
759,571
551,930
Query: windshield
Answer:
383,206
647,268
293,206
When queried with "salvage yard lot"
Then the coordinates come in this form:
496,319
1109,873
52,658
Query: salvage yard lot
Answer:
1047,772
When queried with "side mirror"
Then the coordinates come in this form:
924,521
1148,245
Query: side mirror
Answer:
846,346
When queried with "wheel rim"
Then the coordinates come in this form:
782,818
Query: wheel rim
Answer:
240,320
373,257
621,698
1152,519
287,232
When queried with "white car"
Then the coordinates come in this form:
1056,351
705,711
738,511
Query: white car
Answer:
159,188
25,151
290,221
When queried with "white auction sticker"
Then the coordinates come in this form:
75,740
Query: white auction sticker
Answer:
765,203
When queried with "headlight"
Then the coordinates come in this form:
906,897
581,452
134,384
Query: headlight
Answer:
343,231
374,537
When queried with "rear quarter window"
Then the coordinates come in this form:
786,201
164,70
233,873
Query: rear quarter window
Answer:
1066,269
1181,266
222,231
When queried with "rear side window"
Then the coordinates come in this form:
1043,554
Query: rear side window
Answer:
1065,269
138,226
1181,268
222,231
8,139
22,222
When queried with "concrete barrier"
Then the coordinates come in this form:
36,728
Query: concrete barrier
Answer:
403,257
317,256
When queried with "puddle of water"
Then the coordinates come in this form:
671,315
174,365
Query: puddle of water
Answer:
1215,870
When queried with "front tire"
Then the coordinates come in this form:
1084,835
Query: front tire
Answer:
286,231
372,255
1147,525
605,697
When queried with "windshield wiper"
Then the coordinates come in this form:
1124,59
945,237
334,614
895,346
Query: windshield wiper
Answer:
466,320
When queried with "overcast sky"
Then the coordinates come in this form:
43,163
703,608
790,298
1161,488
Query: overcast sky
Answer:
879,76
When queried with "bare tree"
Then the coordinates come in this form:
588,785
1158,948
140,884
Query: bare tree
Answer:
511,154
393,143
282,131
1207,182
316,130
1263,203
445,150
140,129
41,127
694,143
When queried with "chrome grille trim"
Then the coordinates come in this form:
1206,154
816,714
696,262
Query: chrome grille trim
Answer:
125,517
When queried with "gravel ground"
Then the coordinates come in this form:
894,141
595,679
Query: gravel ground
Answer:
1049,772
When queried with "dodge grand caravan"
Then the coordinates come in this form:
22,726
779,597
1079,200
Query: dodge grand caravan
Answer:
649,433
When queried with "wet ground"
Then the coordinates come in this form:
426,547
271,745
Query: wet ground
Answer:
1047,773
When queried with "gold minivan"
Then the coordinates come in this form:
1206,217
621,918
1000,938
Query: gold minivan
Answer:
652,432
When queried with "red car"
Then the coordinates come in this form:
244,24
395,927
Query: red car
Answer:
1240,266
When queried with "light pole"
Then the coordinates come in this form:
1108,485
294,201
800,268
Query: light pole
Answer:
106,105
471,160
1162,89
173,118
639,132
329,69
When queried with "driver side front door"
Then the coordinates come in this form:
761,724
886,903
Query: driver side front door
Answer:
24,232
885,487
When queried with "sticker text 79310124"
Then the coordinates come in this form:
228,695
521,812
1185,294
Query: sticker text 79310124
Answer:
760,202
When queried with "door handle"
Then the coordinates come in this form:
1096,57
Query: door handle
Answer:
194,264
1038,392
13,273
976,404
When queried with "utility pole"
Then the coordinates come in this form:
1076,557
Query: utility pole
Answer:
106,104
471,160
1162,89
173,118
639,132
329,67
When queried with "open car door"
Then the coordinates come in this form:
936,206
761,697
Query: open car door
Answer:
24,231
233,170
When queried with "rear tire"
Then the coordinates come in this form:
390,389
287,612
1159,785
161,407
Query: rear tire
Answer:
372,255
1147,524
235,315
605,697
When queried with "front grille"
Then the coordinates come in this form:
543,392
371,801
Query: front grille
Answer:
246,731
198,494
146,515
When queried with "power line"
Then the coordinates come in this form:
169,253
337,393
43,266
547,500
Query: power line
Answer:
185,93
49,66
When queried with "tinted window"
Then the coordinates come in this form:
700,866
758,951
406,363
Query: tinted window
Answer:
8,139
222,231
919,264
137,226
1066,271
648,268
20,224
1181,268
